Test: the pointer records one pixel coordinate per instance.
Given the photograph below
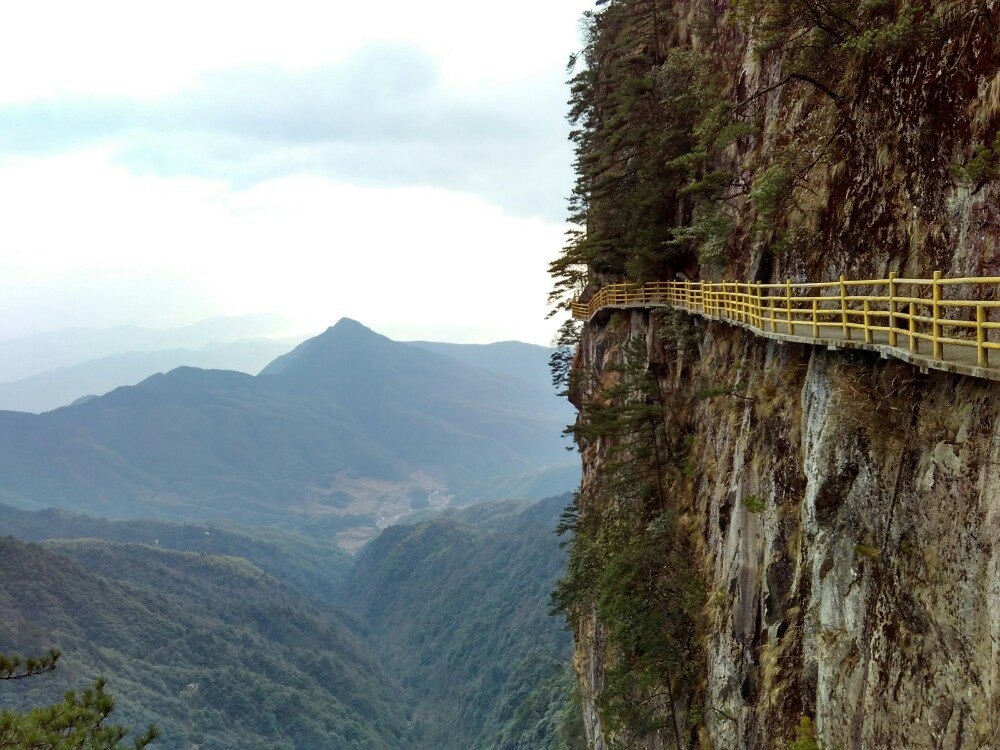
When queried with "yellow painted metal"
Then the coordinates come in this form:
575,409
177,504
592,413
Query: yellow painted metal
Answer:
843,308
881,309
936,309
892,309
788,306
983,354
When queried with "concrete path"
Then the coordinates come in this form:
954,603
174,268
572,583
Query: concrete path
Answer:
961,360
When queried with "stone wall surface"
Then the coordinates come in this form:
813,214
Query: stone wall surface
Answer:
866,591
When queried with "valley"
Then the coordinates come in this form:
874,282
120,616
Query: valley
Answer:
234,638
344,435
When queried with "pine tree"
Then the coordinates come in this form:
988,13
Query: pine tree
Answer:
629,560
647,116
76,723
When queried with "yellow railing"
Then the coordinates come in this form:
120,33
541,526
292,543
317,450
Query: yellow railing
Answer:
944,312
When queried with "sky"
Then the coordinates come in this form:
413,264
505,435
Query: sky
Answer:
404,164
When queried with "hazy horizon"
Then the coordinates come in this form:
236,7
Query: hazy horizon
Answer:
307,161
285,329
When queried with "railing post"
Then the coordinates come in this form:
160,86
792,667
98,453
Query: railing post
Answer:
914,343
892,308
868,322
983,353
846,333
771,311
815,317
760,310
788,306
938,351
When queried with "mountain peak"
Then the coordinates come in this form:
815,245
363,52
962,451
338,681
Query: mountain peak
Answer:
346,338
349,324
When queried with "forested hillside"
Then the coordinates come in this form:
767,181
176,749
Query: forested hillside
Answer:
215,652
338,437
438,637
313,568
459,609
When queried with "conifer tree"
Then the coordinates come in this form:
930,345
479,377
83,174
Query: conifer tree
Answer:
78,722
629,560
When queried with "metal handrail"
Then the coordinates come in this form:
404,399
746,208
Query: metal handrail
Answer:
912,309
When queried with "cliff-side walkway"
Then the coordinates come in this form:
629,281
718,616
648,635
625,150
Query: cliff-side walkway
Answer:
939,323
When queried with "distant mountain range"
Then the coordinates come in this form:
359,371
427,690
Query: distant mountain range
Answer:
62,386
347,428
31,355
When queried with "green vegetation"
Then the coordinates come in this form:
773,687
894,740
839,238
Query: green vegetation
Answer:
457,608
532,485
344,407
656,112
212,650
805,736
78,722
983,167
647,120
313,568
754,504
220,636
867,551
17,668
629,559
75,723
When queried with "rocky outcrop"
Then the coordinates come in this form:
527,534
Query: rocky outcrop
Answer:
844,508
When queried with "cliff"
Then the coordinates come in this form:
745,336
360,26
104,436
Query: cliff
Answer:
814,529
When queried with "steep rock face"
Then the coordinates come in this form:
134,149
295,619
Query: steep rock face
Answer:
862,589
842,508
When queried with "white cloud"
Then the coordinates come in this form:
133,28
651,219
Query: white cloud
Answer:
100,233
411,262
145,49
